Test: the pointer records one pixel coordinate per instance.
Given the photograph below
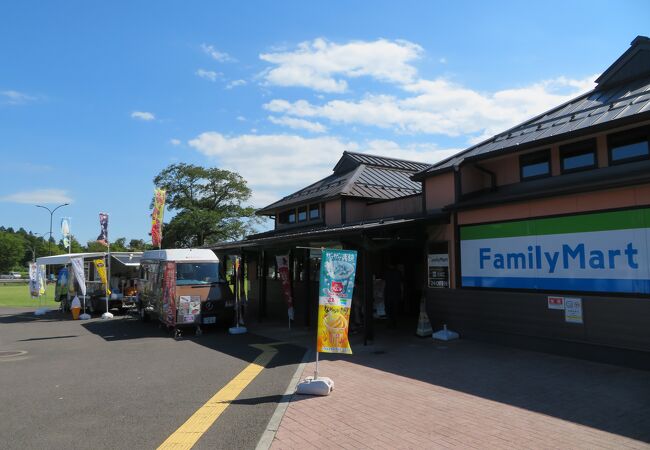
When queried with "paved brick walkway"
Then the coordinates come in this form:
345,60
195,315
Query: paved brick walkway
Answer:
469,395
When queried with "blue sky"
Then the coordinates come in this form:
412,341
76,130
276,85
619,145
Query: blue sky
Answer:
97,98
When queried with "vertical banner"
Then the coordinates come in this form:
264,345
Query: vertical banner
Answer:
169,293
41,272
61,288
283,270
33,280
103,229
100,265
335,291
78,269
65,231
157,216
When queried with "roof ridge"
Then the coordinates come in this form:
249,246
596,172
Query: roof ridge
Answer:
374,155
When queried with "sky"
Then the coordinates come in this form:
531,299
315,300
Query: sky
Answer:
96,98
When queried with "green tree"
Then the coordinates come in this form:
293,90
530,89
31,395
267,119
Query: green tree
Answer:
208,203
119,245
12,250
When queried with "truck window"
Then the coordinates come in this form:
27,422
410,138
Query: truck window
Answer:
197,273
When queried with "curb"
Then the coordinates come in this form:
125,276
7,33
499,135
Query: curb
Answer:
274,423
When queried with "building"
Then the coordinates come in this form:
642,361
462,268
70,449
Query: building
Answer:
552,210
540,234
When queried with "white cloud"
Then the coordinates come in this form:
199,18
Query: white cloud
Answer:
278,164
235,83
241,118
298,124
442,60
175,141
442,107
38,196
321,65
16,98
215,54
210,75
143,115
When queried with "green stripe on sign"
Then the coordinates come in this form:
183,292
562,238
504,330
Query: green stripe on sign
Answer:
582,223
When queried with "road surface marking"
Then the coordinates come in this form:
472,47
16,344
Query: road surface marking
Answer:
192,430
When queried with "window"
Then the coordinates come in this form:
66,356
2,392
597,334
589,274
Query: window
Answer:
628,146
287,216
197,273
578,156
302,214
314,212
535,165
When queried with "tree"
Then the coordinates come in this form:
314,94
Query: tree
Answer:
12,250
208,205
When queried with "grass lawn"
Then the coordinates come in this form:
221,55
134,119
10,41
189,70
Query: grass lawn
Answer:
17,296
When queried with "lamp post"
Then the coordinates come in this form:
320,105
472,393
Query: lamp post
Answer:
49,241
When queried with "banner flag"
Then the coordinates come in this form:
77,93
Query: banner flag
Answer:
169,294
33,280
78,269
157,216
338,268
41,275
100,265
283,269
61,287
65,231
103,229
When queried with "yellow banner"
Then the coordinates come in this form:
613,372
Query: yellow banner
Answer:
157,216
100,265
333,322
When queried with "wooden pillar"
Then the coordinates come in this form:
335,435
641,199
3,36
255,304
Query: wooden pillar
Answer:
368,298
261,312
307,282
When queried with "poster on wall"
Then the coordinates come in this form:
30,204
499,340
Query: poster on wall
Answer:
596,252
335,291
573,310
555,302
438,269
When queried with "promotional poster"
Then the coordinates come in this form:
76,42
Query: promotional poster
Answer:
100,265
157,216
169,294
335,290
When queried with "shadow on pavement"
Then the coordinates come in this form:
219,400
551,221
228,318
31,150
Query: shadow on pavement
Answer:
48,338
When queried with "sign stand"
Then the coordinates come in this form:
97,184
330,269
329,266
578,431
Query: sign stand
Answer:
238,328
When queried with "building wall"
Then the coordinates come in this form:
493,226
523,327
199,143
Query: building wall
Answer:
566,204
393,208
613,320
439,191
355,210
333,212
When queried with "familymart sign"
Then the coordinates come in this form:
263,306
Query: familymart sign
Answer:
600,252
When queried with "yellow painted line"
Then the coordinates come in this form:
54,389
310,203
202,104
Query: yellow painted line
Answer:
192,430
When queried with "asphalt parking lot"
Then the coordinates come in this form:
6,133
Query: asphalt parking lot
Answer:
122,384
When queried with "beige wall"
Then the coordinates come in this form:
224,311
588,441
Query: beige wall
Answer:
505,168
333,212
566,204
472,179
439,190
392,208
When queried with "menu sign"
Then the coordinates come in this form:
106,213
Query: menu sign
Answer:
438,265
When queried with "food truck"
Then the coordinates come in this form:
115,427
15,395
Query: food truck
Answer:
184,288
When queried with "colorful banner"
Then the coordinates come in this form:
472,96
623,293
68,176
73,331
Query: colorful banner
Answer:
285,277
335,291
103,229
61,287
33,280
100,265
78,270
169,293
65,231
157,216
598,252
41,272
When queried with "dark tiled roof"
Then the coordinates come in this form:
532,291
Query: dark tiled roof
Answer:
358,175
623,93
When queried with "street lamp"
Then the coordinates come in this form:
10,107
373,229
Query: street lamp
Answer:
49,241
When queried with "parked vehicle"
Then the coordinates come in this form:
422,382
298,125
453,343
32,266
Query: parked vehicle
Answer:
184,288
